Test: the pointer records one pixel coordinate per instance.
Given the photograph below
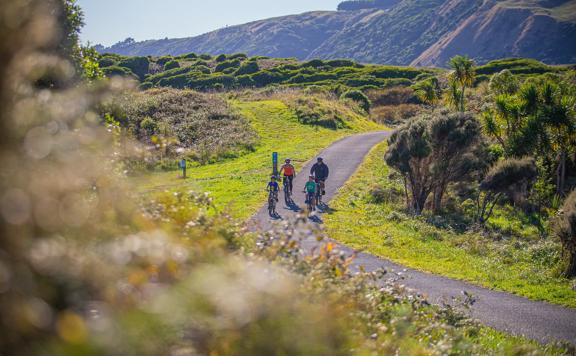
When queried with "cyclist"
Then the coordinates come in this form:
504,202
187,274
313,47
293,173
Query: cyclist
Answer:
289,173
273,187
310,190
320,171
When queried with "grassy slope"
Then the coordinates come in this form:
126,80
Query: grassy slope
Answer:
380,230
239,183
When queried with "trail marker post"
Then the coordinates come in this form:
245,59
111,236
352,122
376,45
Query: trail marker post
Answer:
275,164
182,165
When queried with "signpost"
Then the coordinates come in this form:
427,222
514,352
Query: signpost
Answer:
182,165
275,164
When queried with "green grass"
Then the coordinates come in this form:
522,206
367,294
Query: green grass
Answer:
238,184
522,264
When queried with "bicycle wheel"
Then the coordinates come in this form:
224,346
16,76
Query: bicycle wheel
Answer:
287,199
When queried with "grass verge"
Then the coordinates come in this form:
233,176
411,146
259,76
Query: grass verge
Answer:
513,264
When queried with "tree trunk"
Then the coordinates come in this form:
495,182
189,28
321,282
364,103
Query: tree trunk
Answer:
438,195
561,174
571,269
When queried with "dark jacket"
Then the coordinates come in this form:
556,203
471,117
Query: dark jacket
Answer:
320,171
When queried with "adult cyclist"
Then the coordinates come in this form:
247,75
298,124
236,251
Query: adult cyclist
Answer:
289,173
320,171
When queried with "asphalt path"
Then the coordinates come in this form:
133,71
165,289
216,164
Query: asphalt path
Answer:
516,315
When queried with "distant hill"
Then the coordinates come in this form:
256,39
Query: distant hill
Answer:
396,32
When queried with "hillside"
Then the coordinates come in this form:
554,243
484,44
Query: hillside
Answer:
423,33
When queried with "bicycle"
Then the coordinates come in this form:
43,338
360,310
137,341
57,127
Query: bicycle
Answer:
272,203
287,191
310,202
319,190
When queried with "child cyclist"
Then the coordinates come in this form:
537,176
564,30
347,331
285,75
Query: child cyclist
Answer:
273,187
310,190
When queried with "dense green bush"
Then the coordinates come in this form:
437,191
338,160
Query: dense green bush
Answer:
171,65
107,62
205,57
233,63
249,67
149,126
121,71
190,55
359,97
163,60
170,73
263,72
138,65
240,56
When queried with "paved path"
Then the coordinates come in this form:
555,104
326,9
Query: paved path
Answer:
503,311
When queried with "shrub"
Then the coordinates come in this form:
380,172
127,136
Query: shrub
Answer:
395,114
248,68
205,57
341,63
315,63
358,97
106,62
149,126
163,60
392,96
240,56
171,65
380,195
506,177
121,71
138,65
221,58
234,63
503,83
190,55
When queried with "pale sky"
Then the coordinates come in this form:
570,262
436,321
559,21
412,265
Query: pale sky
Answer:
110,21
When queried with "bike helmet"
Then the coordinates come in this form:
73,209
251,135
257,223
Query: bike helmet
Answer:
320,159
287,160
311,176
272,177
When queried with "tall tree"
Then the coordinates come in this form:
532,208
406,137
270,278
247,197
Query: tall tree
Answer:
431,152
454,139
462,77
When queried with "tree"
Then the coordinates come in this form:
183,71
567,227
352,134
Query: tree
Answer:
409,153
462,76
359,97
506,177
565,228
431,152
427,91
454,139
84,58
558,115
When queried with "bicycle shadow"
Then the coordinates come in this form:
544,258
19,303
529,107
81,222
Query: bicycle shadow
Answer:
293,207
